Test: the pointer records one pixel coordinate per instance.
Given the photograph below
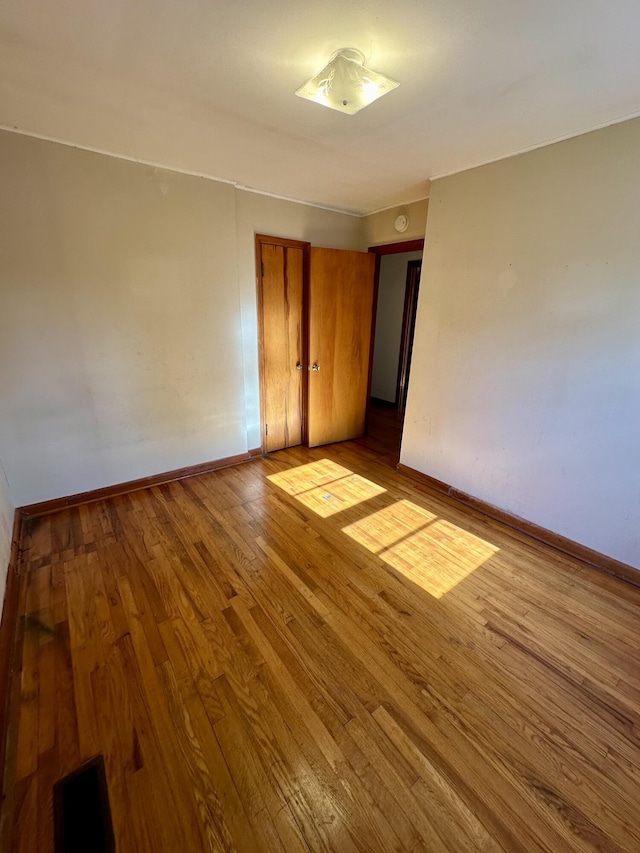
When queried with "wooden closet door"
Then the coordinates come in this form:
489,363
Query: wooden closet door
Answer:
282,345
341,291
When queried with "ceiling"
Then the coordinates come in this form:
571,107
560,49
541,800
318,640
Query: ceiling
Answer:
207,87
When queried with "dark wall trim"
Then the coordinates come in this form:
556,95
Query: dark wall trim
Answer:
282,241
528,528
397,248
56,504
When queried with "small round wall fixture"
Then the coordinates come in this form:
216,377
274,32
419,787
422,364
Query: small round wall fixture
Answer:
402,223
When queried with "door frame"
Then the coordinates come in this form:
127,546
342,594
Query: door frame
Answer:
386,249
260,240
408,327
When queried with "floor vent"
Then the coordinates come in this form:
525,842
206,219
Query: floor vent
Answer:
81,810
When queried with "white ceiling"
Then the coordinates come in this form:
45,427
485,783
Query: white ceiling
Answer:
206,86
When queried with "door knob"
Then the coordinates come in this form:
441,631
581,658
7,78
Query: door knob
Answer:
298,366
315,366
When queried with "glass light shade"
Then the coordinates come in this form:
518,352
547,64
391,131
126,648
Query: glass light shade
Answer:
344,84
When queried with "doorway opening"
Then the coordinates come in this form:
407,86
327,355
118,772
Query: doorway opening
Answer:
398,267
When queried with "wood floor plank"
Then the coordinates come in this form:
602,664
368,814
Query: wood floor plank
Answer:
155,782
289,832
48,773
420,818
66,718
221,811
312,652
168,731
27,753
26,815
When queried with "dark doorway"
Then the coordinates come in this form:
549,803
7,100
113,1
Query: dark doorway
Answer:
398,276
386,407
408,328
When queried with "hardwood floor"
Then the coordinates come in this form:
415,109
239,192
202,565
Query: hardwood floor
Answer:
311,652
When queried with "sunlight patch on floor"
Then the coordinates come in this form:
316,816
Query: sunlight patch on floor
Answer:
325,487
433,553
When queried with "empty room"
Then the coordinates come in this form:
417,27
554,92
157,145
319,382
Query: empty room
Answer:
319,420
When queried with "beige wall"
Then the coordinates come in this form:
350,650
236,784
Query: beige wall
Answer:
128,334
259,214
379,228
525,381
120,320
6,529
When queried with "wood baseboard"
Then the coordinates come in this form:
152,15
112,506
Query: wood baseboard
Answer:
567,546
45,507
8,639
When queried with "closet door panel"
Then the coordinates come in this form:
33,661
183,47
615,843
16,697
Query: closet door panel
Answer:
283,333
341,291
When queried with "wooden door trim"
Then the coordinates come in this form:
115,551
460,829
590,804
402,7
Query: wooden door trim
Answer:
397,248
408,324
281,241
374,317
260,241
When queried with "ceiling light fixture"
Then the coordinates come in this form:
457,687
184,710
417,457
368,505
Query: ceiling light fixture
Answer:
344,84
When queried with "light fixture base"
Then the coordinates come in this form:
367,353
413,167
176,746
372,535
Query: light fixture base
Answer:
344,84
351,53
